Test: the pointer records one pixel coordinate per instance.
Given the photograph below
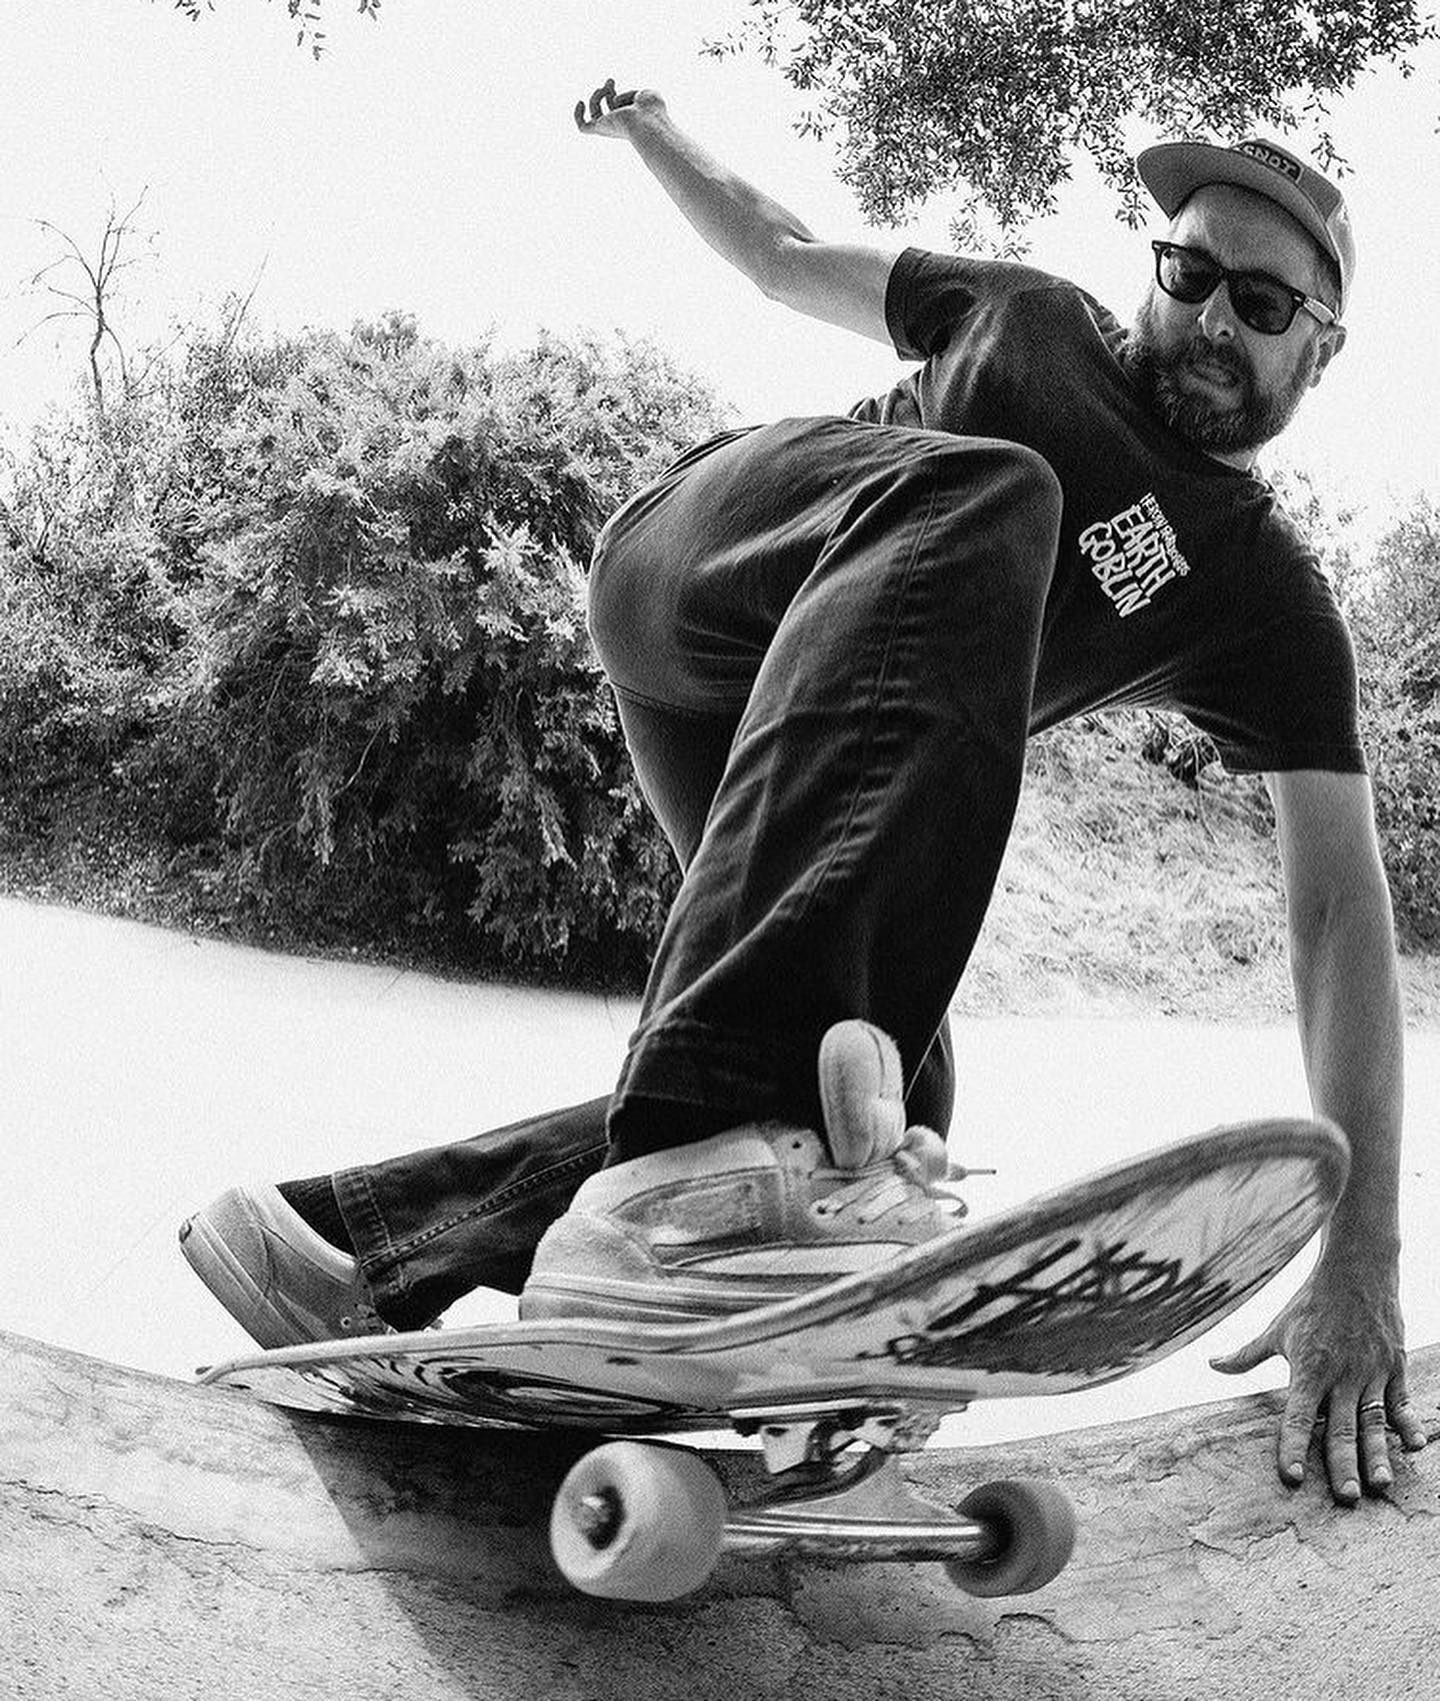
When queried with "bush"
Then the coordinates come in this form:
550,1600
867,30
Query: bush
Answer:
84,602
385,676
331,618
1393,604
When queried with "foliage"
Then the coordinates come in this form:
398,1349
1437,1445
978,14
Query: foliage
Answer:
64,695
85,604
1170,742
1394,611
991,100
336,626
307,14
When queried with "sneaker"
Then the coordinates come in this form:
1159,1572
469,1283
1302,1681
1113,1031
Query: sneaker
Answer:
758,1214
282,1282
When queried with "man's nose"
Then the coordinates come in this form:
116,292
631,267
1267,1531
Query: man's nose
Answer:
1217,316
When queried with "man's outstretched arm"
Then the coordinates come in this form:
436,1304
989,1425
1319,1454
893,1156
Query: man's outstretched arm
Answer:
843,284
1342,1333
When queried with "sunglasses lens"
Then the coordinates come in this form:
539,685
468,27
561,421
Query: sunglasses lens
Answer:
1187,276
1264,306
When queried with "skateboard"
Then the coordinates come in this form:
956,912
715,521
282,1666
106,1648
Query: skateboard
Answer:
1076,1288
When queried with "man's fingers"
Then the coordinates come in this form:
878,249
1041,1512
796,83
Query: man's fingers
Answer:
585,116
1354,1420
1342,1461
602,101
1374,1439
598,99
1403,1415
1246,1358
1297,1427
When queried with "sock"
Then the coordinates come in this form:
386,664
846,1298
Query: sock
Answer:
314,1200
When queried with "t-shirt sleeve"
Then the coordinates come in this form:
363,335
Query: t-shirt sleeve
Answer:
1284,695
931,300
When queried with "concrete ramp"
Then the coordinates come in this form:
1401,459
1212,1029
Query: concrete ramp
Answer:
159,1540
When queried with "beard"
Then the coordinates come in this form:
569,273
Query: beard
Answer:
1249,420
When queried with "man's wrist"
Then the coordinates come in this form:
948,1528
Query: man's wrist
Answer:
652,125
1351,1250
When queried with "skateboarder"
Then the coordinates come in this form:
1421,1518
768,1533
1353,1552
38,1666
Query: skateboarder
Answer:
829,639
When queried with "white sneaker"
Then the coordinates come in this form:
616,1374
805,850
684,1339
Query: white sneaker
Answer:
757,1214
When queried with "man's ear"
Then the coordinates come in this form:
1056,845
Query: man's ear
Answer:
1330,342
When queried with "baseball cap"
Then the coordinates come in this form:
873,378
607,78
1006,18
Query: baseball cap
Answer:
1173,171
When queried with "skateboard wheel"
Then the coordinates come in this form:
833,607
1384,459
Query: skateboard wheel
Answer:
633,1522
1036,1528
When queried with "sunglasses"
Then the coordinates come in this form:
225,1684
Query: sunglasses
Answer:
1260,301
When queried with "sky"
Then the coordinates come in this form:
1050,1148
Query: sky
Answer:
429,163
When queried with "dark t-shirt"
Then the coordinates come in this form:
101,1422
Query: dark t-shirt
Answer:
1180,583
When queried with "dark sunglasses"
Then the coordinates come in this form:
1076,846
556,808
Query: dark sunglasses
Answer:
1260,301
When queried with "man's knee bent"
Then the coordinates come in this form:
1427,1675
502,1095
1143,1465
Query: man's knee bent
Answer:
1008,476
621,595
1031,481
1004,503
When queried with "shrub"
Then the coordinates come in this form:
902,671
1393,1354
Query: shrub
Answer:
84,602
321,598
1393,604
385,677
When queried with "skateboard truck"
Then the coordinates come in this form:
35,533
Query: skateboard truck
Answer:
797,1435
649,1521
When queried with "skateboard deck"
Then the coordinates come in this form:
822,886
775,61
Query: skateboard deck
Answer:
1076,1288
1070,1290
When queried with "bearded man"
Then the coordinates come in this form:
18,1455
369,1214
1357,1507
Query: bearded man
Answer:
829,639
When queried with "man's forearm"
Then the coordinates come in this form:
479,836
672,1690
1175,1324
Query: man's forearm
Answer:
739,222
1352,1032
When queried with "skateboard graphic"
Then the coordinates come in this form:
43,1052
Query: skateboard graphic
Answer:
1071,1290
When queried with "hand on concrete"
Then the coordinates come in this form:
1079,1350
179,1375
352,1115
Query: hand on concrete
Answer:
611,114
1345,1344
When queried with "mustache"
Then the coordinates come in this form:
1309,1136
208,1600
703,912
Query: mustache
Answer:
1224,355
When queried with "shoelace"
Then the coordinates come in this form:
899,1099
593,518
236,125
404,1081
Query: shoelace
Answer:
909,1182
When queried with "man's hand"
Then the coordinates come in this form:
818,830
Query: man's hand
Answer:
611,114
1342,1332
1344,1339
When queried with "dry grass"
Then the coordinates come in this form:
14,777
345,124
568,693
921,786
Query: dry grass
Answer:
1125,892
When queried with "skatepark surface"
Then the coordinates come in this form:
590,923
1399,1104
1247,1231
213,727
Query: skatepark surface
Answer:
158,1539
161,1539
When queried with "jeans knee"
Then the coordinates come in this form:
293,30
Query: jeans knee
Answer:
1035,502
1002,503
615,605
1016,487
1030,482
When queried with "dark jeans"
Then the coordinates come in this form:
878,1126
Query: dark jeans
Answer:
822,637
